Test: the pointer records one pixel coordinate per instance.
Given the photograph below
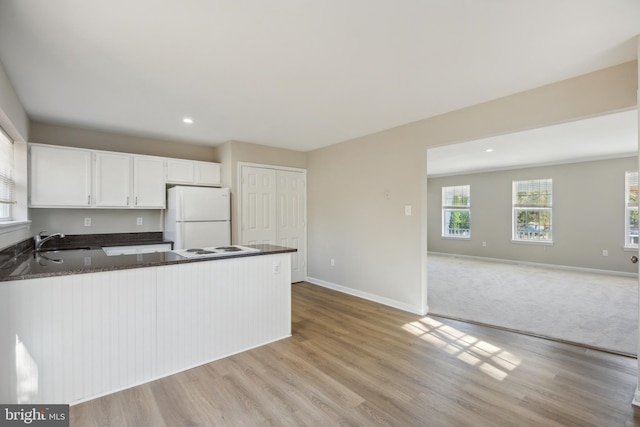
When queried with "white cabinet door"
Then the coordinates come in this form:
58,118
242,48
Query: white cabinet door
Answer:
193,172
60,177
148,182
180,171
207,173
113,180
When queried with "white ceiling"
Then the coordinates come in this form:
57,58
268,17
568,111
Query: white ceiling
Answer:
604,137
298,74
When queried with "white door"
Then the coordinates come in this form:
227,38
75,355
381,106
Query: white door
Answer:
258,206
273,210
291,214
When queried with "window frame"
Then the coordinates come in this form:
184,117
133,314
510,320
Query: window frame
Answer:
451,208
533,207
629,207
7,180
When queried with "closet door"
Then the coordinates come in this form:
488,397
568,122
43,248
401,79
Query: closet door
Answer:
291,214
274,211
258,206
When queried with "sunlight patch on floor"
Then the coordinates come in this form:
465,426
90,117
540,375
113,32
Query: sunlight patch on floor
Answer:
488,358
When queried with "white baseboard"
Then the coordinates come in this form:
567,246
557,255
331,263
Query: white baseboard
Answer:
371,297
537,264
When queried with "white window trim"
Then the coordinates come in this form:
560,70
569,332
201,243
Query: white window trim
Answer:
462,208
514,216
10,226
20,212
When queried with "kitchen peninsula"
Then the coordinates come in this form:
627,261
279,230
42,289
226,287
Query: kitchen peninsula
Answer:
77,324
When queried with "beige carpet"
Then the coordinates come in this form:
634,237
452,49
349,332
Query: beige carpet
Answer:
597,310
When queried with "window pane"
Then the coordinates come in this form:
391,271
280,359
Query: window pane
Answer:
632,188
456,196
533,225
632,238
456,223
537,192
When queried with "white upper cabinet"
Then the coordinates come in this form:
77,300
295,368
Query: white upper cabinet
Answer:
64,177
193,172
207,173
113,180
180,172
125,180
148,182
60,177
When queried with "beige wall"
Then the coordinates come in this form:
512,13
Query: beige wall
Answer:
13,117
588,215
379,251
45,133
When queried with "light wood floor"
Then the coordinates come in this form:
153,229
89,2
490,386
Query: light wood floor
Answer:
354,362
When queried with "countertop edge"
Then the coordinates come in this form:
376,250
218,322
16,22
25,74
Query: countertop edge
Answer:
116,267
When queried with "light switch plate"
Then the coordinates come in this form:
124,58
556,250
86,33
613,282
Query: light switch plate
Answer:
407,210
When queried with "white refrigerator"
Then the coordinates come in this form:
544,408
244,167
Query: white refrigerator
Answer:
198,217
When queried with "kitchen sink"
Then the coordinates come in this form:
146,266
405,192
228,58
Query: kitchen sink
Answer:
136,249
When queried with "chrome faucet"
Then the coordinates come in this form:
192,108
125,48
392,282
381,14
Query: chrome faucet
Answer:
39,240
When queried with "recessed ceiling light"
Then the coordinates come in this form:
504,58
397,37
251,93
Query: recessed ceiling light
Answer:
187,120
489,150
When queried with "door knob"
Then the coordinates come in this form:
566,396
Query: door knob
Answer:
634,259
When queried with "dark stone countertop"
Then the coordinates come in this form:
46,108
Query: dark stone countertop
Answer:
30,264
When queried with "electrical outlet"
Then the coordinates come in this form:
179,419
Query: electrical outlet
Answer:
87,222
605,252
276,268
139,220
333,262
407,210
484,244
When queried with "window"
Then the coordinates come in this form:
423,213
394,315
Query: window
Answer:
6,176
456,211
631,209
532,202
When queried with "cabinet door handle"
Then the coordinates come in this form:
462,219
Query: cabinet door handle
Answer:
127,200
136,200
89,199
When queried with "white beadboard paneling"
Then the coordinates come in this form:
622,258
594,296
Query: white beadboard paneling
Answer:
7,344
210,310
